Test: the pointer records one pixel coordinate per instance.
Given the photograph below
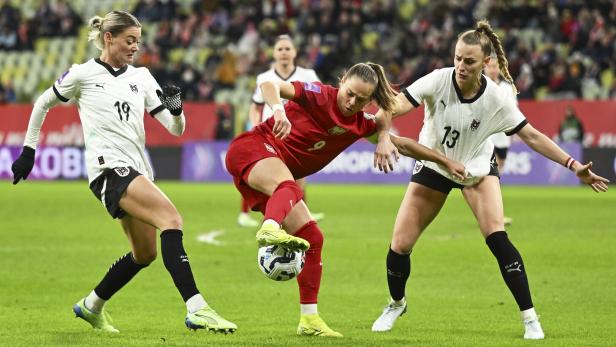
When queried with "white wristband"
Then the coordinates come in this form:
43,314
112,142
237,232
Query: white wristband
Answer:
277,107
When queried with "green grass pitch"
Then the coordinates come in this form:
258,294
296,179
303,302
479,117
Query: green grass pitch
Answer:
57,241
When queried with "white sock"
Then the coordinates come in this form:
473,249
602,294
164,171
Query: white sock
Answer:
94,303
244,214
400,302
529,314
195,303
308,309
271,222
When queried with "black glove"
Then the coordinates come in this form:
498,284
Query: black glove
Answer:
170,97
23,165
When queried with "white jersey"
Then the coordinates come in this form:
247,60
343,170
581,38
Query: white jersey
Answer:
460,128
501,140
111,106
299,74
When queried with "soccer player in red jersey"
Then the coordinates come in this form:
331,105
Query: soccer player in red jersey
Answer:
266,162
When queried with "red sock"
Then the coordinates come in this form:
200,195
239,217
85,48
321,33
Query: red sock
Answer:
309,279
286,195
245,206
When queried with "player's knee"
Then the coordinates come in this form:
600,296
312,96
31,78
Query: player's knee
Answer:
401,244
174,220
293,186
145,257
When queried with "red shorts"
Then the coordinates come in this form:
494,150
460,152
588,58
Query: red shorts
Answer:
244,152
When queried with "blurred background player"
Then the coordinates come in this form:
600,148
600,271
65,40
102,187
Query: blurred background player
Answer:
571,128
283,69
112,96
463,109
266,161
501,141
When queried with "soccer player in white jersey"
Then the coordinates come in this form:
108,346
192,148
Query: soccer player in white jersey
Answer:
112,96
462,110
283,69
501,141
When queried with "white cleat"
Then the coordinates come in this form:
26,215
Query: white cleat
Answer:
245,221
391,312
533,330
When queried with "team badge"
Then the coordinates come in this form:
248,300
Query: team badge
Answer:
309,86
337,130
269,148
133,88
475,124
122,171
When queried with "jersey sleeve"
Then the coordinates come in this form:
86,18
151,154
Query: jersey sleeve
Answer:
153,105
309,94
67,85
423,88
513,118
257,96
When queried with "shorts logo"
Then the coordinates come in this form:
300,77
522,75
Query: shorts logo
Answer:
475,124
133,88
309,86
418,167
337,130
269,148
122,171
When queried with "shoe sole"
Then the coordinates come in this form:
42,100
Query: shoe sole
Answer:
195,327
78,312
292,243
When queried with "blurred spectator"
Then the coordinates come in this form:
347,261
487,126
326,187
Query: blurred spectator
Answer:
557,49
7,93
571,129
224,128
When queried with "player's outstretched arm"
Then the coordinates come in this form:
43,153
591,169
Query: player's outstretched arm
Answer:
546,147
386,152
415,150
25,162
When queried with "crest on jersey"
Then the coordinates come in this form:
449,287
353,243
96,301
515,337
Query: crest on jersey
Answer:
337,130
475,124
133,88
269,148
122,171
312,87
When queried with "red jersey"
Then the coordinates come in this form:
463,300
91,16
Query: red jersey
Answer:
319,131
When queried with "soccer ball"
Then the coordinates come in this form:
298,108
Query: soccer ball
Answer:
280,264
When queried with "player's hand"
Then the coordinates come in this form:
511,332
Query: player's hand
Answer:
596,182
385,154
455,168
282,126
23,165
170,96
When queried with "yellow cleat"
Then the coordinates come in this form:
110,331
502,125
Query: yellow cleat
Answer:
269,235
313,325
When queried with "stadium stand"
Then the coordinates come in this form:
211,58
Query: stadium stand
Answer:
214,49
